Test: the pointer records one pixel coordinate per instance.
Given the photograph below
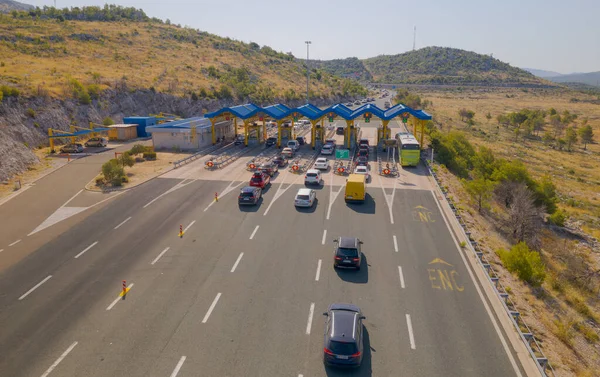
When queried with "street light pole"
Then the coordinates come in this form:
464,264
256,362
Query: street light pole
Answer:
307,70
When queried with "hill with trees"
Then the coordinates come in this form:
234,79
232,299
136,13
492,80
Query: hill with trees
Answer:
442,65
349,68
7,6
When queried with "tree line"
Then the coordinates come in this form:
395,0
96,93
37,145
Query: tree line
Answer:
89,13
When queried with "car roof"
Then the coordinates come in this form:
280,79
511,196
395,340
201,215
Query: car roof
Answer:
322,159
304,191
344,306
313,171
349,242
287,148
361,168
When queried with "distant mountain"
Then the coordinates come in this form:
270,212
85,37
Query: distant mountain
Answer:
349,67
6,6
543,74
443,65
590,78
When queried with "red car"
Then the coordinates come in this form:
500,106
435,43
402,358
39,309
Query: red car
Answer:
260,179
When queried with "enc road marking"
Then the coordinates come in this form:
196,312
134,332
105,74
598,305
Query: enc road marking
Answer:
254,232
395,244
318,271
178,366
485,304
237,262
310,318
120,297
1,250
86,249
14,243
124,221
212,306
324,236
410,332
401,276
49,370
160,255
36,287
189,226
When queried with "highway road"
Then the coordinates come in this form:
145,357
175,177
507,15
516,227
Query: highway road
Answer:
242,291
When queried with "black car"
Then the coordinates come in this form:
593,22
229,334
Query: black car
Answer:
249,195
364,142
269,168
280,161
301,140
339,131
347,252
343,345
362,160
363,152
271,141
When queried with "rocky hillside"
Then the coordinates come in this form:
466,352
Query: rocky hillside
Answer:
82,64
443,65
349,68
7,6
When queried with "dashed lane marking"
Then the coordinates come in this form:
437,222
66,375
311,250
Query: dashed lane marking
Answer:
178,366
310,318
86,249
35,287
212,306
55,364
123,222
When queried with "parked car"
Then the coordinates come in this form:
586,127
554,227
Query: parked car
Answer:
305,198
96,142
301,140
269,168
339,131
287,152
343,344
260,179
327,149
312,177
347,252
249,195
349,104
271,141
321,163
362,170
239,140
72,148
294,144
280,161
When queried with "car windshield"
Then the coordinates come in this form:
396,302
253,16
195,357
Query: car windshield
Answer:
411,146
256,178
302,197
361,169
311,174
347,252
342,348
327,146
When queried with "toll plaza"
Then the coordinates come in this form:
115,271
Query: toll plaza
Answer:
75,132
255,118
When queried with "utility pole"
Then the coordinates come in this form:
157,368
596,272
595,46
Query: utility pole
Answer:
415,38
307,70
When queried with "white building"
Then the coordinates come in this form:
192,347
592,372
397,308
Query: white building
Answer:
178,134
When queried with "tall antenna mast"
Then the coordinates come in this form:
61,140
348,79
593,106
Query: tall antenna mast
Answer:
415,38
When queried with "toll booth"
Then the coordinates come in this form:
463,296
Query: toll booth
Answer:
319,136
256,133
351,135
287,133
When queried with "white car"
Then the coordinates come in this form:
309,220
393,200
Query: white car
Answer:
305,198
293,144
322,163
306,122
287,152
312,177
362,170
327,149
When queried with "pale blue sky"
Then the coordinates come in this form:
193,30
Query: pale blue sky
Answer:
555,35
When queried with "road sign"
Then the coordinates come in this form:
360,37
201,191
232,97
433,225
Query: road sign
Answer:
342,153
330,119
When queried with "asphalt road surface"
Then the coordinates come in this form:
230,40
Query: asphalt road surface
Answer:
242,291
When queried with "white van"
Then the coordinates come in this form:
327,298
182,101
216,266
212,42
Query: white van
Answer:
293,144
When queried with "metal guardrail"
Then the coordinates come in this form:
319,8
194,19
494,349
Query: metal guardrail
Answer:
197,155
534,348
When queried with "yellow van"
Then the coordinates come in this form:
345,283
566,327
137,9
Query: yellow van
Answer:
356,188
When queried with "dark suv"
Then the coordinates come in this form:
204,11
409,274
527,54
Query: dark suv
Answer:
343,336
249,195
347,252
271,141
269,168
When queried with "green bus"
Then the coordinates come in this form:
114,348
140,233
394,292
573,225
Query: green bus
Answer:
409,149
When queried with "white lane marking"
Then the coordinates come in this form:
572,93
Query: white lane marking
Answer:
212,306
310,318
280,192
324,236
189,226
14,243
410,332
237,262
73,197
177,186
112,304
160,255
300,375
389,199
124,221
332,198
178,366
401,276
49,370
318,270
227,190
254,232
395,244
1,250
35,287
485,304
86,249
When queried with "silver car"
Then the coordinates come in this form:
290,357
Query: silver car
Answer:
305,198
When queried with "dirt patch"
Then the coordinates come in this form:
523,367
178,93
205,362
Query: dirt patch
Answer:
142,171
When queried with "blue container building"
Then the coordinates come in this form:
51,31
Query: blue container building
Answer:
142,123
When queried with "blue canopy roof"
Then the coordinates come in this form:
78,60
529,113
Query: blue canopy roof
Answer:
312,112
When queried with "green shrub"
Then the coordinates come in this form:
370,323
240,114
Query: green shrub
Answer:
99,181
36,124
126,159
108,121
150,155
137,149
527,264
84,98
117,181
30,112
113,172
94,91
558,218
7,91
